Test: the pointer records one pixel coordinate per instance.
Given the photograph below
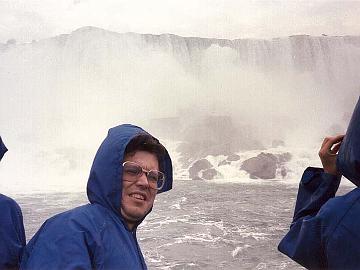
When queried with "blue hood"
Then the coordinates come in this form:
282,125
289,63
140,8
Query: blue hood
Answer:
105,181
3,149
348,159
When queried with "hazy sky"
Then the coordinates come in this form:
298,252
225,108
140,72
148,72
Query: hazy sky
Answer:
26,20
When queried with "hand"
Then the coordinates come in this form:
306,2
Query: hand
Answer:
328,153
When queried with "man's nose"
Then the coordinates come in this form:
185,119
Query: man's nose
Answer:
142,180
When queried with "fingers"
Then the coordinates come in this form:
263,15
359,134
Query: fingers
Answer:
336,148
324,141
338,138
331,145
328,153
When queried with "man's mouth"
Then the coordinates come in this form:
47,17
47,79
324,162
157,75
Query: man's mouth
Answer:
138,196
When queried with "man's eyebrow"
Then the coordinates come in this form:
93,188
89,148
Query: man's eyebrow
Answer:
144,167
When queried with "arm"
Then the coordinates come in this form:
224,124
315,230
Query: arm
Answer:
305,242
315,189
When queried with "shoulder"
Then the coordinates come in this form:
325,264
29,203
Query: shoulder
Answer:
78,225
342,244
9,207
86,219
338,210
339,205
8,202
77,232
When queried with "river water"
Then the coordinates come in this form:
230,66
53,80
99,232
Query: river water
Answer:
199,225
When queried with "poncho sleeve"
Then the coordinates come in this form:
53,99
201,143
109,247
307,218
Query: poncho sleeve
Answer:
306,240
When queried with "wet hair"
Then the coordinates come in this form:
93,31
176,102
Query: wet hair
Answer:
147,143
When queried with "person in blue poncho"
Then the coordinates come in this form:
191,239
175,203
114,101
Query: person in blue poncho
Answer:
12,233
325,231
129,169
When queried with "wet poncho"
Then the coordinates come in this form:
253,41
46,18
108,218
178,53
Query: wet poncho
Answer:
324,233
348,159
12,233
3,149
94,236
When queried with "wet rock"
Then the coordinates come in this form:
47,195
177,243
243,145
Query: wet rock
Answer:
265,165
224,162
202,169
262,166
233,157
283,171
209,174
229,159
284,157
197,167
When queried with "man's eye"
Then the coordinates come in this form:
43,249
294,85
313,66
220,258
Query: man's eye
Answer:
153,176
132,170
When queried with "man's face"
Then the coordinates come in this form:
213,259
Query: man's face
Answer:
137,197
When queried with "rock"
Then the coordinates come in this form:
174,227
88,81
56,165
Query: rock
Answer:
283,171
197,167
202,169
209,174
233,157
224,162
229,159
265,165
262,166
284,157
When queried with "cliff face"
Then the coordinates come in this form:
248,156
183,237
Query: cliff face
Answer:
112,77
329,57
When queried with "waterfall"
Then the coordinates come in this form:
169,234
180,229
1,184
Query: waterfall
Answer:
59,95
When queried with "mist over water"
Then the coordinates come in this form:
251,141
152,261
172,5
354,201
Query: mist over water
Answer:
59,96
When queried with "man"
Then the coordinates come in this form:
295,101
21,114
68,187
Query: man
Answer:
12,233
325,231
129,169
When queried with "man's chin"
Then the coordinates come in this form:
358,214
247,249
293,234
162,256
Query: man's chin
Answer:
133,216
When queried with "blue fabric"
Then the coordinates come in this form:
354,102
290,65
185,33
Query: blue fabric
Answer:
348,159
325,231
12,233
94,235
3,149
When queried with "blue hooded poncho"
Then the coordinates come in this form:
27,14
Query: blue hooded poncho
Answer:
12,233
348,159
3,149
325,231
94,236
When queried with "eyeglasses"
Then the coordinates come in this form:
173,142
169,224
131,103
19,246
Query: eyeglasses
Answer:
133,171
